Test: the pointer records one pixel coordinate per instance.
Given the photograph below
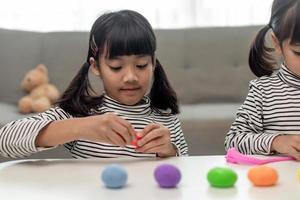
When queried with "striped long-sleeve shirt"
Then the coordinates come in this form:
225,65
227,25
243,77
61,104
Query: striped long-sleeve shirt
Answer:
271,108
17,138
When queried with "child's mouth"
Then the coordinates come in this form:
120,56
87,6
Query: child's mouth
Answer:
130,90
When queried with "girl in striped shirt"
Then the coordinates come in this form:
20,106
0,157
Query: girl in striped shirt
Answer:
138,101
269,120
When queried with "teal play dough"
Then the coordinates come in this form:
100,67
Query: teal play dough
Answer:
222,177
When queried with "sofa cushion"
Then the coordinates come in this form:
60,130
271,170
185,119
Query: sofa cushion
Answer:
206,137
215,111
19,52
207,65
205,127
9,112
203,64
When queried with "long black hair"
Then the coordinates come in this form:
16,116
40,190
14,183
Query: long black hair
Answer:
285,24
124,32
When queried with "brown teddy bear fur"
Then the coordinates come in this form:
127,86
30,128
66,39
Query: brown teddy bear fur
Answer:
41,94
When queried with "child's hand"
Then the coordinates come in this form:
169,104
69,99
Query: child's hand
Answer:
155,138
287,144
108,128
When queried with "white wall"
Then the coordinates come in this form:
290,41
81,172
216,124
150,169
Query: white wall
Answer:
53,15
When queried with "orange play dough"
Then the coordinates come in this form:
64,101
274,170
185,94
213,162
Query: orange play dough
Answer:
263,176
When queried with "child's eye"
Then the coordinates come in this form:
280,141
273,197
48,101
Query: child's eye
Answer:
142,66
297,53
118,68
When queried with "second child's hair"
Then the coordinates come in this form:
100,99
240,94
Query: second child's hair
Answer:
119,33
285,24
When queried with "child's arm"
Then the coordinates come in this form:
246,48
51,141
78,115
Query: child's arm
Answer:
177,138
108,128
246,133
23,137
17,138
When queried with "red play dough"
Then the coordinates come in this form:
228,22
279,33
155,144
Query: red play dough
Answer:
134,142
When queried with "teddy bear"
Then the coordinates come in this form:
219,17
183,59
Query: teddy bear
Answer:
41,94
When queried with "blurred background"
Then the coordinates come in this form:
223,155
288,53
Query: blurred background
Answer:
78,15
202,44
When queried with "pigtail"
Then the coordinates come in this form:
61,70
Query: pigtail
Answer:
77,99
162,95
260,58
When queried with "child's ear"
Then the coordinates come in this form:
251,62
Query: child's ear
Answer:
94,67
276,44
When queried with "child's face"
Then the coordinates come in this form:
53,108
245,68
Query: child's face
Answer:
291,56
126,78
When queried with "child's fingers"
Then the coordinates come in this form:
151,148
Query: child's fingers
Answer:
294,153
128,126
122,131
116,138
153,144
156,149
148,129
152,135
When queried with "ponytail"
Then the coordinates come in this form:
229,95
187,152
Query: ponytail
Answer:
76,99
260,58
162,94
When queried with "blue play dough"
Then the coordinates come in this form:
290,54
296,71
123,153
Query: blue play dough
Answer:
114,176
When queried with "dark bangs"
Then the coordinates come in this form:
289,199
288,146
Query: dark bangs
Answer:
130,37
295,39
290,25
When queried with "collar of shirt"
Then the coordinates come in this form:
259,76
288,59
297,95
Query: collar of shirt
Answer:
142,108
289,77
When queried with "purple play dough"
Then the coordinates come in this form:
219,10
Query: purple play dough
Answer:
167,176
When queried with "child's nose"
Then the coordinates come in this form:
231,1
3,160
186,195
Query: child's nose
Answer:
130,76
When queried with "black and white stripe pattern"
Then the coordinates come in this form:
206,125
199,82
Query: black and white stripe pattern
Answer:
17,138
271,108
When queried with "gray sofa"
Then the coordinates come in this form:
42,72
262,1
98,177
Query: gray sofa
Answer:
207,67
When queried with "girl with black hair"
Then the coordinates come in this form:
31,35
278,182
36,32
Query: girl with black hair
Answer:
269,120
138,101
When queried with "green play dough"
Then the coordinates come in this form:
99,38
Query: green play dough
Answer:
221,177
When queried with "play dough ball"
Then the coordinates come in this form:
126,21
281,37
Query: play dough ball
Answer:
135,141
221,177
263,176
167,176
298,174
114,176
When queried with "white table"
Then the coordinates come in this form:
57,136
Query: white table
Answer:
80,179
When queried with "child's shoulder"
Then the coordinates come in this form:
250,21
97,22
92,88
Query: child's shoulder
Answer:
57,110
263,82
164,113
